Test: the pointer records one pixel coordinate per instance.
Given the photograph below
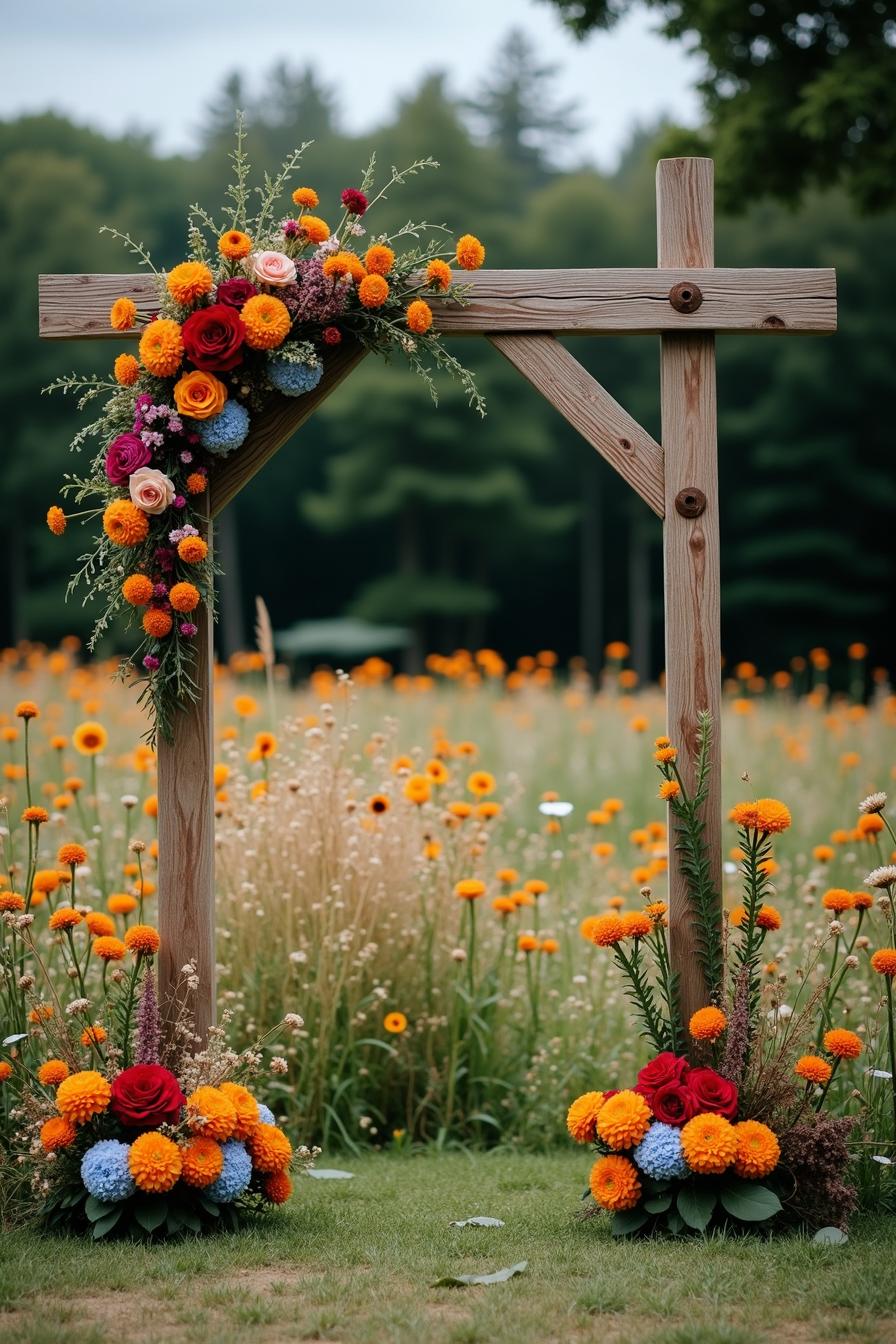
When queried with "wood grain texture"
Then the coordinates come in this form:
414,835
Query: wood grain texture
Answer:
590,409
186,893
281,417
684,192
565,301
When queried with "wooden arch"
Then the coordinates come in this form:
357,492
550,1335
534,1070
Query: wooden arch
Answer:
685,301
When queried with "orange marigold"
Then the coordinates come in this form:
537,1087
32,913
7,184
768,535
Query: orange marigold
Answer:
211,1113
99,925
157,623
57,1133
246,1107
469,888
772,816
276,1187
184,597
707,1024
884,961
126,370
36,816
196,483
843,1044
123,314
709,1144
527,942
83,1095
155,1162
201,1161
379,259
614,1183
46,879
121,903
137,589
143,940
581,1118
124,524
66,917
269,1148
438,273
636,924
88,739
838,899
623,1120
606,930
52,1072
192,550
768,917
161,347
419,316
306,197
315,230
758,1149
670,788
234,245
373,291
108,948
813,1069
189,281
94,1035
481,783
56,520
344,263
469,252
266,320
11,900
5,1071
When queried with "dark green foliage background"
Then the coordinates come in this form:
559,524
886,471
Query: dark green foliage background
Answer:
511,531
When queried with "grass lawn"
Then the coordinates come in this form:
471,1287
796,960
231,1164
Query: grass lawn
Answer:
354,1261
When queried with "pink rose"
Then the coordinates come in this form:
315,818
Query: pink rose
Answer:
273,268
151,490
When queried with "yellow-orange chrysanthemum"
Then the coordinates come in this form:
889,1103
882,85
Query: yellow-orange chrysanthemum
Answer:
155,1162
82,1096
707,1024
269,1148
161,347
813,1069
142,940
211,1113
843,1044
124,524
53,1072
189,281
884,961
267,321
758,1150
57,1133
246,1107
614,1183
623,1120
201,1161
581,1118
709,1144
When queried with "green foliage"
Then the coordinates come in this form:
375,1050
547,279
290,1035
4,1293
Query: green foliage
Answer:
796,94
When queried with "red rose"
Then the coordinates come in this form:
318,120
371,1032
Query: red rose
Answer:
665,1068
146,1096
235,292
674,1104
213,338
712,1092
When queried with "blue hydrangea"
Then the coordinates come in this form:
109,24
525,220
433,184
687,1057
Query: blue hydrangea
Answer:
293,379
659,1153
224,432
105,1171
265,1114
235,1174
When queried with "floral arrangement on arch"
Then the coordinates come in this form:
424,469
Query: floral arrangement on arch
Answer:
118,1126
252,312
733,1121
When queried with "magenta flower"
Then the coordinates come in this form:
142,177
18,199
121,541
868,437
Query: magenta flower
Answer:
125,455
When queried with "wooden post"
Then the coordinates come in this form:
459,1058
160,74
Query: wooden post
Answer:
684,196
187,842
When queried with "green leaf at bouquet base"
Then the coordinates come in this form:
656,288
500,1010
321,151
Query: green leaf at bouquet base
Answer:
658,1203
627,1221
151,1213
695,1203
749,1202
94,1208
466,1280
109,1220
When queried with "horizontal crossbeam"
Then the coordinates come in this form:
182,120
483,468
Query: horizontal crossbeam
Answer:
590,409
564,301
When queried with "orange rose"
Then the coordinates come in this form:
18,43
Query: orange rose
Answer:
199,395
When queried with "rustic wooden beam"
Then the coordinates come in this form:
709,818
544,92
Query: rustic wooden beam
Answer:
590,409
272,426
186,897
564,301
684,198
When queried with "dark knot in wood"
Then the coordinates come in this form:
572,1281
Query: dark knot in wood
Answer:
686,297
690,502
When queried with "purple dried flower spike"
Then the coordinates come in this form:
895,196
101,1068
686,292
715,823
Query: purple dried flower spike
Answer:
148,1034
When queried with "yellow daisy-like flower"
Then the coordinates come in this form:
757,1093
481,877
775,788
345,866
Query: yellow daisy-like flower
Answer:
709,1144
82,1096
269,1148
155,1162
581,1118
481,783
758,1150
395,1023
614,1183
623,1120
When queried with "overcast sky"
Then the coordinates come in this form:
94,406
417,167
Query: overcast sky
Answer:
116,65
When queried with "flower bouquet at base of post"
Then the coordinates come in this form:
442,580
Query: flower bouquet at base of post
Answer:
267,293
118,1126
741,1118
